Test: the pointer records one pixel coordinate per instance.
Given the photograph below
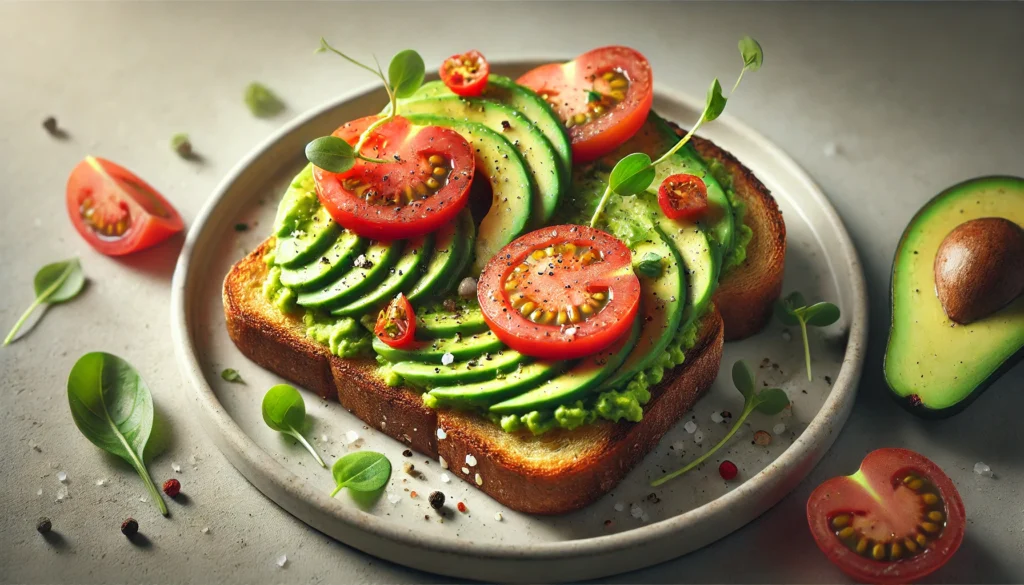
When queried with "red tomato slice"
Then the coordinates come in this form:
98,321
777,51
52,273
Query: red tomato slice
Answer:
466,74
115,211
396,323
560,292
683,196
894,521
423,186
603,96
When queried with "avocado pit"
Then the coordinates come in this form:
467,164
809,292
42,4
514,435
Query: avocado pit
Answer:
979,268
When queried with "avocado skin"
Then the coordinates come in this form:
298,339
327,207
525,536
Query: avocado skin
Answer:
919,407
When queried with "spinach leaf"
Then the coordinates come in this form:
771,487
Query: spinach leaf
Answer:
113,408
54,283
285,412
362,471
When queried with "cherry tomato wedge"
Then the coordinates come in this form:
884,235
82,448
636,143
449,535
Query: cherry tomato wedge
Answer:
683,196
466,74
894,521
421,188
115,211
560,292
396,323
603,96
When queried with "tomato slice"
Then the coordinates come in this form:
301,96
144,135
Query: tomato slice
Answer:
466,74
396,323
115,211
683,196
894,521
560,292
421,188
603,96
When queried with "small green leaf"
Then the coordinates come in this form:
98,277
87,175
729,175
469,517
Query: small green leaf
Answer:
181,144
753,57
285,412
361,471
262,102
650,265
786,308
55,283
771,401
405,73
743,378
593,96
331,154
232,375
715,102
632,174
821,314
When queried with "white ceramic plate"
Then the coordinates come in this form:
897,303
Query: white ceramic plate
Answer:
633,526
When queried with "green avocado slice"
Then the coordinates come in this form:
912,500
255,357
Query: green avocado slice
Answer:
319,271
491,391
431,351
450,242
364,277
442,324
401,276
485,367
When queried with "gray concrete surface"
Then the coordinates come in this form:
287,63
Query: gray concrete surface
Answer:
914,96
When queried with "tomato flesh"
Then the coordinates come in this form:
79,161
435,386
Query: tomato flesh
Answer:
396,323
894,521
683,196
560,292
466,74
422,186
603,96
115,211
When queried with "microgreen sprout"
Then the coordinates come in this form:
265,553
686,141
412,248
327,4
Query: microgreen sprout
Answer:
405,76
285,412
635,172
361,471
768,401
54,283
793,310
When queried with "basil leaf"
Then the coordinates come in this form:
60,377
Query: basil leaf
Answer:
715,102
632,174
112,406
753,57
285,412
821,314
771,401
331,154
743,378
232,375
262,102
650,265
405,73
362,471
55,283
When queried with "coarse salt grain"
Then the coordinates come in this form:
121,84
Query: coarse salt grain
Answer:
786,335
143,499
441,435
444,464
176,467
635,511
690,426
62,493
698,437
716,417
448,358
206,529
445,478
678,446
323,438
470,461
351,437
498,516
39,492
282,561
62,477
570,331
619,506
644,517
779,429
465,471
101,482
479,480
983,470
394,498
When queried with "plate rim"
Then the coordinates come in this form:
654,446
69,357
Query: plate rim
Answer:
247,456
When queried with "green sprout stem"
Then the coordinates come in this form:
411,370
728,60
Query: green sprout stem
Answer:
17,326
153,491
336,490
807,347
600,206
392,111
298,436
748,407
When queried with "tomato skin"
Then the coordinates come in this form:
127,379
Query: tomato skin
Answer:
117,192
563,283
683,196
847,495
567,86
398,314
461,81
412,145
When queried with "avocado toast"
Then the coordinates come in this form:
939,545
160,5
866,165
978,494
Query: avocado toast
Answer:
549,435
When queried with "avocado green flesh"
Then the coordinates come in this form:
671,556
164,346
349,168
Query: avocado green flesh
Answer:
440,324
319,271
402,275
498,389
380,257
943,364
540,157
307,241
486,367
461,347
450,242
466,253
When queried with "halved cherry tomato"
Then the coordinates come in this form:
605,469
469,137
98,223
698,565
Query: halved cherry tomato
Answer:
466,74
894,521
603,96
396,323
560,292
423,186
683,196
115,211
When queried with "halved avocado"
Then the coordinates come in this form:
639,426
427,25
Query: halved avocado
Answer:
936,367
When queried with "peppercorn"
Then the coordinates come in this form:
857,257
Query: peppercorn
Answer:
44,525
436,500
172,487
130,527
407,453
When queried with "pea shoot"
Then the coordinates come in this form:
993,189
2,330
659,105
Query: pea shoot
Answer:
793,310
769,401
635,172
405,76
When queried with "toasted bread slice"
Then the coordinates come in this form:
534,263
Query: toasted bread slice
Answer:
554,473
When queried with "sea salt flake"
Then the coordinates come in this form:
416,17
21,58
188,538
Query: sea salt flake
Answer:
448,358
62,477
143,499
570,331
444,464
351,437
498,516
394,498
101,482
39,492
465,471
619,506
470,461
445,478
678,446
690,426
716,417
698,437
62,493
779,429
282,561
635,511
983,470
479,480
441,435
644,517
206,529
176,467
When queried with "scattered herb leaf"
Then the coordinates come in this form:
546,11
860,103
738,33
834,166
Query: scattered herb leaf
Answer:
650,265
232,375
793,310
362,471
331,154
54,283
593,96
113,408
769,401
262,102
181,145
285,412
